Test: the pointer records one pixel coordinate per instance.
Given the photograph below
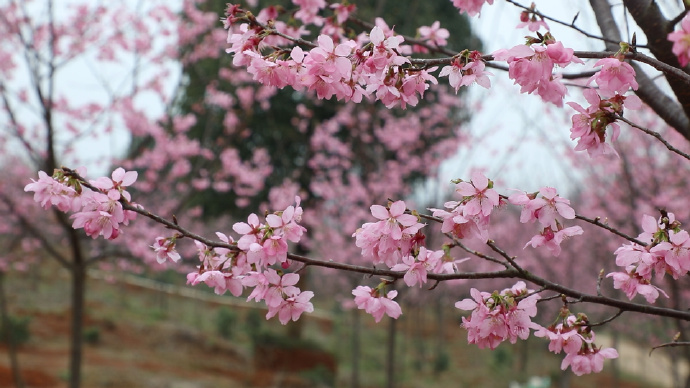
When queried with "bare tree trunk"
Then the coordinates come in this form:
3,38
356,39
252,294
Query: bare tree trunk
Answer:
78,295
390,358
11,346
356,331
615,364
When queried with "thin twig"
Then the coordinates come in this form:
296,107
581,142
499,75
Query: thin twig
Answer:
596,221
607,320
511,260
656,135
599,279
669,345
569,25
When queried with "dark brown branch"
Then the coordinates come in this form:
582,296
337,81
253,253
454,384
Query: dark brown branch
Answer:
596,221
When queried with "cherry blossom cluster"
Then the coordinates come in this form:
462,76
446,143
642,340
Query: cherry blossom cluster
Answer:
377,66
531,66
250,261
589,125
499,316
348,70
532,20
433,35
667,251
546,207
470,7
573,335
394,236
469,217
377,301
681,41
467,69
396,241
99,212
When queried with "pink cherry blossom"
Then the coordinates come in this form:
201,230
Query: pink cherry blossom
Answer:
482,198
394,218
434,34
165,250
467,74
561,338
280,286
417,267
588,362
552,239
292,307
497,317
681,41
676,252
614,77
376,303
470,7
532,21
260,282
632,284
49,192
460,226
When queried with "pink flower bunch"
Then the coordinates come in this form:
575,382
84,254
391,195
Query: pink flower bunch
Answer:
470,216
308,12
100,213
589,125
220,269
345,70
531,67
246,263
391,238
434,34
614,77
470,7
574,336
552,239
681,41
342,11
165,249
532,21
498,316
377,302
667,251
546,209
282,296
467,70
55,191
416,267
267,244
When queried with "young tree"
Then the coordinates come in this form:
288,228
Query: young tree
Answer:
376,65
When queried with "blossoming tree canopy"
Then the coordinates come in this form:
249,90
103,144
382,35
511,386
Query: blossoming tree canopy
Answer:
381,65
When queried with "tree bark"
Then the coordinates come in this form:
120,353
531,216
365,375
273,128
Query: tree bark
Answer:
78,296
11,346
390,357
356,331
